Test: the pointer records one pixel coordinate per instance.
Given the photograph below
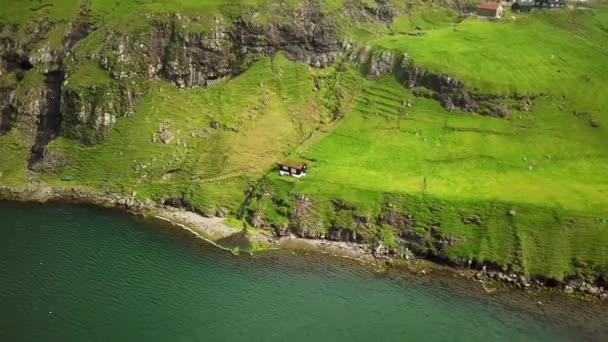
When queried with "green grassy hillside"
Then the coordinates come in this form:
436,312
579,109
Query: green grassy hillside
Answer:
223,136
558,53
529,192
547,165
106,10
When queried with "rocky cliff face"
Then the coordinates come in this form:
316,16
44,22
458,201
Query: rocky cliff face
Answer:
309,38
5,112
31,74
451,92
169,47
347,224
188,51
29,106
14,64
89,113
389,232
172,49
395,232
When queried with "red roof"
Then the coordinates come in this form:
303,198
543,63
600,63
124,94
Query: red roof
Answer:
296,164
489,6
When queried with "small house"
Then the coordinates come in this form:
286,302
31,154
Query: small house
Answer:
292,168
523,5
550,3
490,10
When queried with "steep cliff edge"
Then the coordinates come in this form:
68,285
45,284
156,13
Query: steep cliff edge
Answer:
166,47
106,73
32,69
452,93
401,226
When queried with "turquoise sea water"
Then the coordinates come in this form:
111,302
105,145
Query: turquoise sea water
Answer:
73,273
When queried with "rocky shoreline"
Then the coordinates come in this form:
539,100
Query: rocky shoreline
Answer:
213,230
209,228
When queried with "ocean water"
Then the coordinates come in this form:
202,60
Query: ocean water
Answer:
76,273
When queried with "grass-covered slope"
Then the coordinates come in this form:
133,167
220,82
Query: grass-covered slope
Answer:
560,53
528,192
547,166
223,136
551,156
22,11
13,161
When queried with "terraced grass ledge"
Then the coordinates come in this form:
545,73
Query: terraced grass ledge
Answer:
452,93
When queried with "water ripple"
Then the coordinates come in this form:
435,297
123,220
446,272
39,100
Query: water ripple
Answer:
71,273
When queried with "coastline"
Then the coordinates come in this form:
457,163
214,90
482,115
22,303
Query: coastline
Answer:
214,231
210,229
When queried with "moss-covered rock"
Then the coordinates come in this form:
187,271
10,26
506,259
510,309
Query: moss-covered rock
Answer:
29,102
89,113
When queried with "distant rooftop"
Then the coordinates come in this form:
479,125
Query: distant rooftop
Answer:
489,6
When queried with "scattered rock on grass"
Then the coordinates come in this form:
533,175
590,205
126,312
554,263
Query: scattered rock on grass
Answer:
471,219
166,137
164,126
594,123
163,130
512,212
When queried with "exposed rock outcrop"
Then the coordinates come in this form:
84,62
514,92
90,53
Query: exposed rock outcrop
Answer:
451,92
14,64
304,221
89,113
34,61
338,221
5,112
170,48
187,51
310,38
28,105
